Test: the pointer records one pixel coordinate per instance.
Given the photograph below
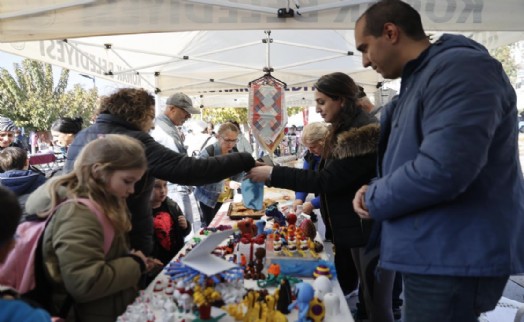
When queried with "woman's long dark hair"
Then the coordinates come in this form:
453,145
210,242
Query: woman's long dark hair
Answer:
338,86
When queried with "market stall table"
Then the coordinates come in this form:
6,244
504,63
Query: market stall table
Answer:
157,297
283,196
156,300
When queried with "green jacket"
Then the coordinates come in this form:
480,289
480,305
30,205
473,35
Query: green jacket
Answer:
101,286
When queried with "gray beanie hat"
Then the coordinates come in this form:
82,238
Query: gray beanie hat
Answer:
6,124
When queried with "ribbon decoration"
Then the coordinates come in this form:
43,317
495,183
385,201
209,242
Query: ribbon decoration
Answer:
267,112
249,245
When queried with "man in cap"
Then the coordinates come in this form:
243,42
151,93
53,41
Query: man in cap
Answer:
7,132
179,108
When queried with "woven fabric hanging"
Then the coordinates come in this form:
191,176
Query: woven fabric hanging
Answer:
267,113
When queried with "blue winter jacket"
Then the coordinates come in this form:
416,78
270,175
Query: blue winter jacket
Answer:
19,311
451,193
22,182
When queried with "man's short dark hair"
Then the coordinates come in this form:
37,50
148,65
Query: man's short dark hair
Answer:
13,158
396,12
11,213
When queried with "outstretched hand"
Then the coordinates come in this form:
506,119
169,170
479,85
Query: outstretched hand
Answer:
307,208
260,173
297,202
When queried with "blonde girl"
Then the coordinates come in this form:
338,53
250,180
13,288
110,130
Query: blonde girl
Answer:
100,284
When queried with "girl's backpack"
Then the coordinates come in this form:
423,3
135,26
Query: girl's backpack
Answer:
23,269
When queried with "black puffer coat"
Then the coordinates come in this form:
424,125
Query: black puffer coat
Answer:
163,163
352,165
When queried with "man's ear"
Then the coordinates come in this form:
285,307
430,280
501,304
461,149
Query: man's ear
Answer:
26,166
391,32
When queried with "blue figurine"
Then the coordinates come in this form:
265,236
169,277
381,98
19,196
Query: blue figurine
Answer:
273,212
261,225
304,293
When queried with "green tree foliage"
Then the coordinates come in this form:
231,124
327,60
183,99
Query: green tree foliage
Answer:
292,110
239,114
224,114
31,98
504,55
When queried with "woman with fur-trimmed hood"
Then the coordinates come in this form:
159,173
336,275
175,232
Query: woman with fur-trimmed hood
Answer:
348,161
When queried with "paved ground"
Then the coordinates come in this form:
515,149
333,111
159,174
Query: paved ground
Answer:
515,289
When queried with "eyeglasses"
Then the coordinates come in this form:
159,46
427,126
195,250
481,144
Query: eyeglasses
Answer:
187,115
235,141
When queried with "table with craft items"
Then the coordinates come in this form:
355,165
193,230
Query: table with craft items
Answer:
173,297
283,196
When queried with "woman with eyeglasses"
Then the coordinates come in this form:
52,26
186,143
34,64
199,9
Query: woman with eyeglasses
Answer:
211,196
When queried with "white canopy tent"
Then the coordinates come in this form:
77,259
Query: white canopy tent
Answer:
215,63
23,20
208,64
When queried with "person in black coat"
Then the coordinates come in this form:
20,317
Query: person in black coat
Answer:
131,112
348,161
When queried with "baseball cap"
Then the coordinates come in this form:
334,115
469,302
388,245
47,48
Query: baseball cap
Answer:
182,101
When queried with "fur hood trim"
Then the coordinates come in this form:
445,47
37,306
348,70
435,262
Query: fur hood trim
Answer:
357,142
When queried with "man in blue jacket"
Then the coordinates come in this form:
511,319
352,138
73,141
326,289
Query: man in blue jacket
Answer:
450,187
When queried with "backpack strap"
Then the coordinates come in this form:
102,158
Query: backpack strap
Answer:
210,150
109,231
205,142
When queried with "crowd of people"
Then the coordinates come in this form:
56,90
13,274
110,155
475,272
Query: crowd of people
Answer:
431,192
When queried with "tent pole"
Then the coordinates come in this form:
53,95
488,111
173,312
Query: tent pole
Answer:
128,65
75,47
268,58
